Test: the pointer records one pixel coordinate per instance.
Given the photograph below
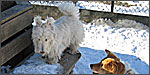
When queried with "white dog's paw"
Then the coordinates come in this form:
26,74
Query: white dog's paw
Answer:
73,51
51,60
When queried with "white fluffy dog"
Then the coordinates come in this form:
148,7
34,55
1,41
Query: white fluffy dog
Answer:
51,38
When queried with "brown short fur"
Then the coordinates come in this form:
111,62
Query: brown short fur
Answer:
111,64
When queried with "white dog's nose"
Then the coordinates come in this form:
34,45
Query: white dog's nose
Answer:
42,52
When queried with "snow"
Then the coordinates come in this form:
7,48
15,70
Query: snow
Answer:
49,3
141,9
123,40
94,6
36,65
125,23
134,10
5,69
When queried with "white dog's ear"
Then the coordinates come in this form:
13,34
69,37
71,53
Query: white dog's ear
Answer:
37,21
50,21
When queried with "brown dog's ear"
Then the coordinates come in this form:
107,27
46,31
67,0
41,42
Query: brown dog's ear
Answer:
111,55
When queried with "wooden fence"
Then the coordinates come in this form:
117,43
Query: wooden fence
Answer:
15,32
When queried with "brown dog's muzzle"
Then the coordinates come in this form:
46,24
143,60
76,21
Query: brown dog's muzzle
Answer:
91,65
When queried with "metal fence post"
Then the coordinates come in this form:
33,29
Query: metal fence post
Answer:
74,2
112,6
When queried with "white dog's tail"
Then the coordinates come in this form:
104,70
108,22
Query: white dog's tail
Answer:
69,9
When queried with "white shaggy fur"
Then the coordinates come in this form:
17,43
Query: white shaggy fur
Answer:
52,37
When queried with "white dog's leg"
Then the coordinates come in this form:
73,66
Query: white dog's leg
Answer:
73,49
53,60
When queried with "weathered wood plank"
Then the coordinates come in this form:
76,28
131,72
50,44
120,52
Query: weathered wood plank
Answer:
15,25
14,11
21,58
15,46
7,4
68,61
23,2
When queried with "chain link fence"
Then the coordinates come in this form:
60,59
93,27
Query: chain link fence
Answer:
126,7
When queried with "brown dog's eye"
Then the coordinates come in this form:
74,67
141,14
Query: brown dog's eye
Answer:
101,65
116,62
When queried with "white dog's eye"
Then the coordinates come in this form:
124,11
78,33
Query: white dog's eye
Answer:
45,39
39,39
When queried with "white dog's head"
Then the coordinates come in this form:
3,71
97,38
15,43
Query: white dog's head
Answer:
43,35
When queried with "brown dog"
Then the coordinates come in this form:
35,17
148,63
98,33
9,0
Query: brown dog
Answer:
109,65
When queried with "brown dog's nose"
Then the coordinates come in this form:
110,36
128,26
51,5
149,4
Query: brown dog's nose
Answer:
91,65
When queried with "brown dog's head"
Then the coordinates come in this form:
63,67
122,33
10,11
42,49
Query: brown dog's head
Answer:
109,65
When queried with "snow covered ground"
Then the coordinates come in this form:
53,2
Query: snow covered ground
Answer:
126,40
129,44
36,65
141,9
94,6
134,10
